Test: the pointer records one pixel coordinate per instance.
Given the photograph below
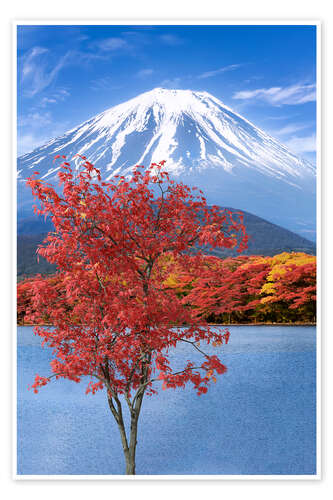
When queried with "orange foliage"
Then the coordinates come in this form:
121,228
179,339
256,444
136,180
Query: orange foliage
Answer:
245,288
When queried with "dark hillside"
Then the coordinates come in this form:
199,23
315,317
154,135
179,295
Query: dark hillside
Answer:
265,239
269,239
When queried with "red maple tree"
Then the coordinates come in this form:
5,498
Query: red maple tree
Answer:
116,319
294,286
227,286
23,299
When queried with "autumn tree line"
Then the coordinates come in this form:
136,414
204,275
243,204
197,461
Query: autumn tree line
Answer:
244,289
133,282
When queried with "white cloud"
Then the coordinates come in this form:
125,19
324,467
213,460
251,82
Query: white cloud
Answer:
47,100
276,96
111,44
281,117
29,61
104,83
291,129
36,73
37,132
34,120
170,39
143,73
63,93
58,95
302,144
171,83
28,142
209,74
37,127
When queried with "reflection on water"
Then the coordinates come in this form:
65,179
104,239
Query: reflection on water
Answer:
259,418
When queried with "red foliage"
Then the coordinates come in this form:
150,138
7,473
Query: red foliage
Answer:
27,301
296,286
24,296
244,284
113,318
233,284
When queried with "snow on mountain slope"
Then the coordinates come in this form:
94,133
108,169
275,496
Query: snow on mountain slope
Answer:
204,143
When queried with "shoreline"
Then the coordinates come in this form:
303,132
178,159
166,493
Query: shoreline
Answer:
298,323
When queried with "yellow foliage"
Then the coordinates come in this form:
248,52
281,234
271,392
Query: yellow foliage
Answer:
268,288
280,265
171,281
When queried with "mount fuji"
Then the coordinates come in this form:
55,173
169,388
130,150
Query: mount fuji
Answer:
204,143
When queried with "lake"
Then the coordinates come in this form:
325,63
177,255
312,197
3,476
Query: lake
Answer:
258,419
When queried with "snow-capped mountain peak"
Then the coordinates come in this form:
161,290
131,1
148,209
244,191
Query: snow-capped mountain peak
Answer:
204,143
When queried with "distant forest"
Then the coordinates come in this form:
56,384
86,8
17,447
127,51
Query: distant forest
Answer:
265,239
245,289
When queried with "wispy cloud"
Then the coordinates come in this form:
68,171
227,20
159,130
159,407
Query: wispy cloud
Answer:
34,119
277,96
224,69
37,73
143,73
62,94
35,129
39,67
58,95
171,39
28,142
302,144
80,57
103,83
48,100
281,117
291,129
171,83
111,44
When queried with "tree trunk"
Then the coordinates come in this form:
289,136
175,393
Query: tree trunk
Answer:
130,465
129,449
135,413
129,446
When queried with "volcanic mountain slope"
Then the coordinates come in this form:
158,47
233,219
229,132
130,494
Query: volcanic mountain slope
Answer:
204,143
264,239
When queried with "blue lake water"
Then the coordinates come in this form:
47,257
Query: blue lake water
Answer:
259,418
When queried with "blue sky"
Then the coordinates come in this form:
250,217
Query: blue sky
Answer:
67,74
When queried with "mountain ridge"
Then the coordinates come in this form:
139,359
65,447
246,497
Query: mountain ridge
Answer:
204,143
265,239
